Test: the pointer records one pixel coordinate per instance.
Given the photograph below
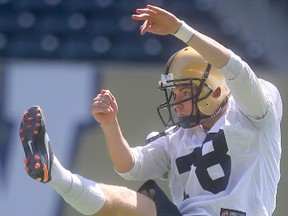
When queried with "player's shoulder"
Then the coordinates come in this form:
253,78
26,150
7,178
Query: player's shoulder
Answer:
272,94
268,85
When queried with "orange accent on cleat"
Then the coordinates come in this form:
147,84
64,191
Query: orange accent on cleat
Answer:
26,169
38,179
21,130
36,132
36,157
37,166
38,115
46,177
29,126
22,139
37,125
25,160
30,119
26,113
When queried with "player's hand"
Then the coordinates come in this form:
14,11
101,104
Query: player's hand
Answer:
156,20
104,108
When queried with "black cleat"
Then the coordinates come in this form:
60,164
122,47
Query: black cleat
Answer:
35,140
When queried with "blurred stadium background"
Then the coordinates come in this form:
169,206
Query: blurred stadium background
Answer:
59,53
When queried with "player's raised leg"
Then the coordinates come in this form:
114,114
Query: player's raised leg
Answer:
86,196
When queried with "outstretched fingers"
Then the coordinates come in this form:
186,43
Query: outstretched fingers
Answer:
156,20
143,15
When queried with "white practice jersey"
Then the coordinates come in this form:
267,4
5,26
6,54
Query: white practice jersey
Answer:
235,167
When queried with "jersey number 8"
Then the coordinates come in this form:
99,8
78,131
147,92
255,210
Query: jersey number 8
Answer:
206,161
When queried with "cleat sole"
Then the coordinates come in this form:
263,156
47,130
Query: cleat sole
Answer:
38,155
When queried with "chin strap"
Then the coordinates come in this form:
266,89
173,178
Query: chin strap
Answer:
188,121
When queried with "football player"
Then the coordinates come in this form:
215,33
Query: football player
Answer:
221,151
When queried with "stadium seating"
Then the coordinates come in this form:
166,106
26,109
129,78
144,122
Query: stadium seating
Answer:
98,29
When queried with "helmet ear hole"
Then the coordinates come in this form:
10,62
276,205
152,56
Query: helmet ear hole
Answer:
215,94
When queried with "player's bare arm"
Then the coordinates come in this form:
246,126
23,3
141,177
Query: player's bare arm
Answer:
104,109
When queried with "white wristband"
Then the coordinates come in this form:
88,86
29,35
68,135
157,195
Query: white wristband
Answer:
185,32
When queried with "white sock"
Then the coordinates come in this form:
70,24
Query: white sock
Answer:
82,194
